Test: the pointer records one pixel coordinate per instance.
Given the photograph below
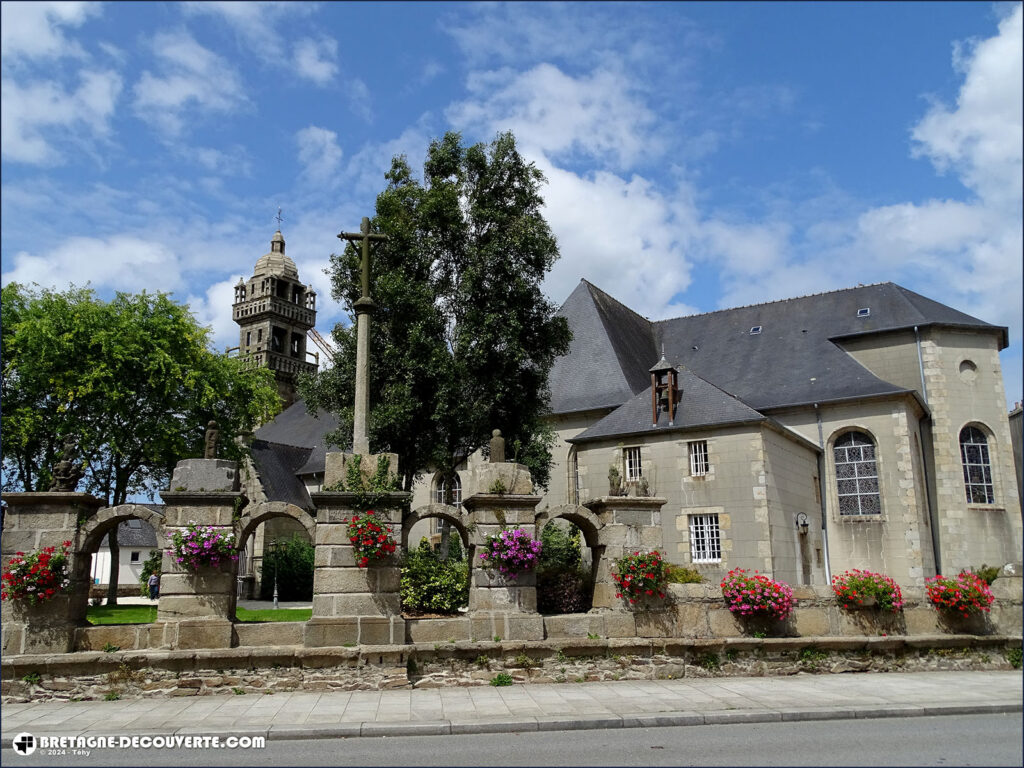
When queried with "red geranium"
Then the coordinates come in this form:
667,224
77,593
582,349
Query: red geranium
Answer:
37,576
370,539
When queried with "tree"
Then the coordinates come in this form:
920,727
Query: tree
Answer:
131,380
463,338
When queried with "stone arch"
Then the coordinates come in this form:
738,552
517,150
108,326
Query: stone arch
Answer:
255,514
109,518
588,523
590,526
453,515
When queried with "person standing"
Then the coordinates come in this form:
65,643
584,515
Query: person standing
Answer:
154,586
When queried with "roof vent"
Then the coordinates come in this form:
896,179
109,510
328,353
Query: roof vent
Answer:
864,312
755,330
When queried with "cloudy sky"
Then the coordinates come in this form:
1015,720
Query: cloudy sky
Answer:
698,155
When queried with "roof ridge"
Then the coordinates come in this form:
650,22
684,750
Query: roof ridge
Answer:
607,295
779,301
726,392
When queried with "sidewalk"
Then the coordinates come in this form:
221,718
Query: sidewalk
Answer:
564,706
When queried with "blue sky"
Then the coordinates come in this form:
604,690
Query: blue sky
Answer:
699,155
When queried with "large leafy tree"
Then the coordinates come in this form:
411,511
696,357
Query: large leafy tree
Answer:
463,338
131,381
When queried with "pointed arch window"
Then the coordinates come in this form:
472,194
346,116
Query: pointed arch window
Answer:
977,466
441,487
856,475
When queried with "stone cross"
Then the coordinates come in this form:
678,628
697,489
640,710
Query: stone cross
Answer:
363,307
212,433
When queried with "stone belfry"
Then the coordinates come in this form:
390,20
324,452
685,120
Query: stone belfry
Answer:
275,311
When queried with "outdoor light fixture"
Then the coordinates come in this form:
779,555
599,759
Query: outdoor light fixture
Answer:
272,546
802,524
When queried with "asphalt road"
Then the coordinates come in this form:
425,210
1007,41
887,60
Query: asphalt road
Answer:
963,740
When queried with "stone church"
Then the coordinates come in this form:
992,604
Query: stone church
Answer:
860,428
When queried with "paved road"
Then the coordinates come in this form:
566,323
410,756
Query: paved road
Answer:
526,708
962,740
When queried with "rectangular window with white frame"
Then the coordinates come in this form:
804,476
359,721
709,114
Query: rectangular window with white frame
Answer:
698,458
634,469
705,539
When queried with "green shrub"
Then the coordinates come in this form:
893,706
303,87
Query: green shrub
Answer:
683,574
502,678
293,560
1015,656
432,585
563,586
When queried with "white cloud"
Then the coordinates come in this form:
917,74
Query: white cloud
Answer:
34,116
314,59
120,262
319,153
191,78
34,30
213,310
553,113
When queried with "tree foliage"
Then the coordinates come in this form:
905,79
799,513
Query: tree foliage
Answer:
463,338
131,380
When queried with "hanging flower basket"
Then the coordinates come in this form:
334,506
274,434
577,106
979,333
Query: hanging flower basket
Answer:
38,576
965,595
202,545
864,589
510,552
371,539
757,595
641,575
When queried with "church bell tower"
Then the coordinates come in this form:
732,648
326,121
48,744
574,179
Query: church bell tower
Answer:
274,311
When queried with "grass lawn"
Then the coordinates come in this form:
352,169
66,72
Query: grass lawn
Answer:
269,614
146,614
121,614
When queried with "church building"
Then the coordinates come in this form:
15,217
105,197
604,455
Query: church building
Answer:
860,428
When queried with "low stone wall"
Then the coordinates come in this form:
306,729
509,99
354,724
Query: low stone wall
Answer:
237,671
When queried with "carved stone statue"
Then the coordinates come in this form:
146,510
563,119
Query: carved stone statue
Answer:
497,447
66,473
212,433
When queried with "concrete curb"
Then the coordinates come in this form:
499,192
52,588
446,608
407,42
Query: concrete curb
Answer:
568,723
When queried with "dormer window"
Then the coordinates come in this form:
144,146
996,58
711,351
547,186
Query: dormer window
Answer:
755,330
864,312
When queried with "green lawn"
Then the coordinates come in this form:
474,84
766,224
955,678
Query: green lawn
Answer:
121,614
146,614
281,614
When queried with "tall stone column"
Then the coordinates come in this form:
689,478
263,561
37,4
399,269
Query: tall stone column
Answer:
631,524
197,608
34,521
500,606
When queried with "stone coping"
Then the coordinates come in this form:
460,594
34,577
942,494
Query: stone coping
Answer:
175,497
97,662
40,498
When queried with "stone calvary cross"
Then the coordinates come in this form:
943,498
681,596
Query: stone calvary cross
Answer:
364,308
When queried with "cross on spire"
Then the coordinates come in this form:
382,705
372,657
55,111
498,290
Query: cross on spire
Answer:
279,218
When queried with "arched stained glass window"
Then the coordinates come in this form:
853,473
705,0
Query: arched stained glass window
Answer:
441,489
977,467
856,475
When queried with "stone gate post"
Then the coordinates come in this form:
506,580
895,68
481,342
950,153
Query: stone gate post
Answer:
35,521
631,524
197,608
500,606
353,604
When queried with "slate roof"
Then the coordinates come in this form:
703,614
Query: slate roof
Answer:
796,359
701,404
289,446
136,534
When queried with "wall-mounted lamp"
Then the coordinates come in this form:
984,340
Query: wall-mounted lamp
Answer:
802,524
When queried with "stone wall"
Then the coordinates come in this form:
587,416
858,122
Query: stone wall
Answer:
91,675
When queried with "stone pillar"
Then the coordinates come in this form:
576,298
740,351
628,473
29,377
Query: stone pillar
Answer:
197,608
35,521
500,606
631,524
353,605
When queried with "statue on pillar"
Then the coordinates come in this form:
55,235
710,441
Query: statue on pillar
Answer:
212,433
67,473
497,447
